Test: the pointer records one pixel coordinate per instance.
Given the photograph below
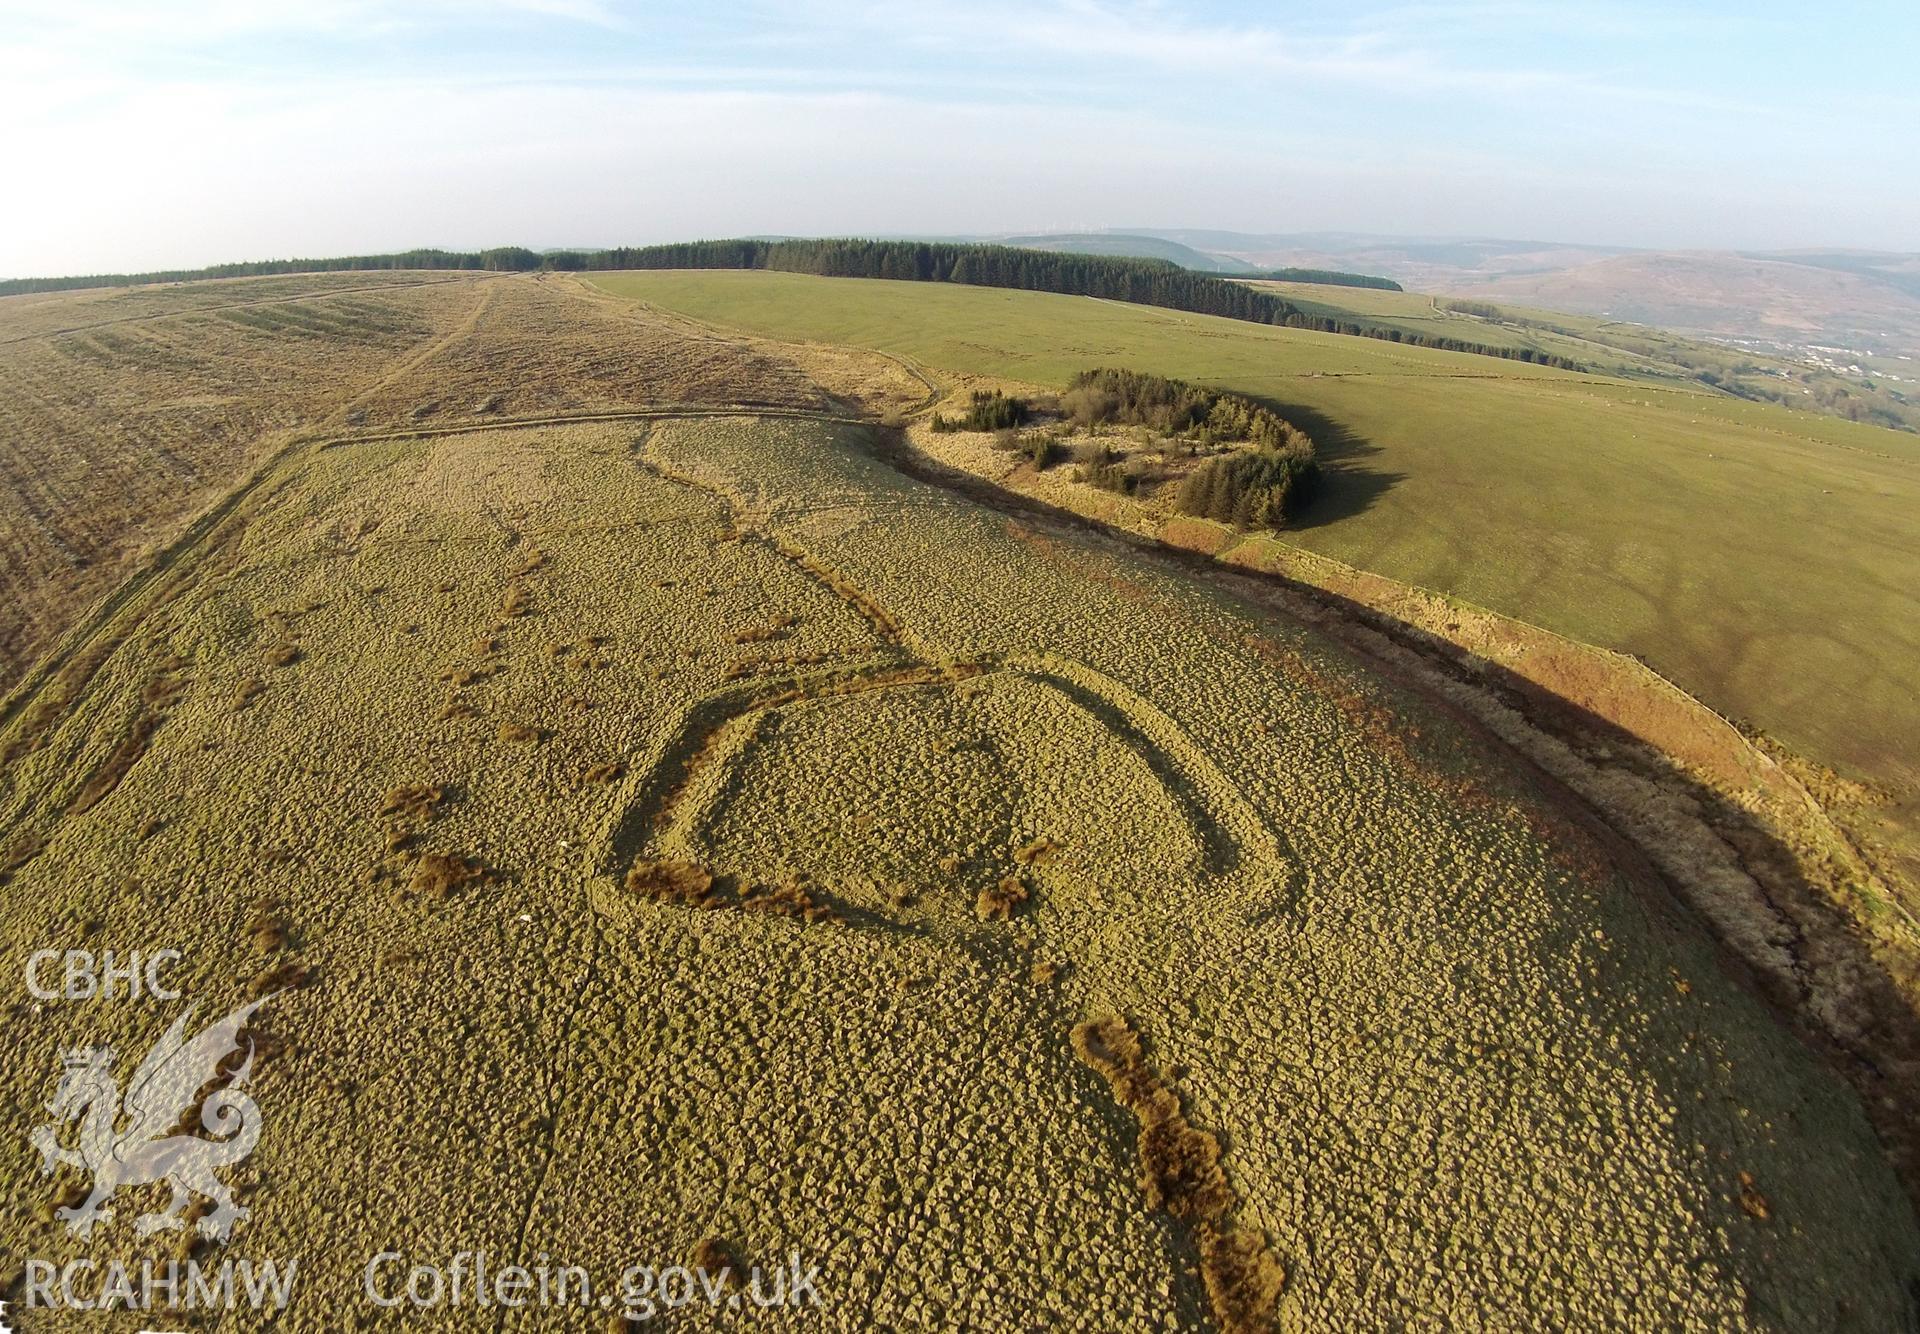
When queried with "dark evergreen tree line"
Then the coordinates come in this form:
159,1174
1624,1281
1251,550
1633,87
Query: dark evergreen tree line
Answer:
1148,282
1327,324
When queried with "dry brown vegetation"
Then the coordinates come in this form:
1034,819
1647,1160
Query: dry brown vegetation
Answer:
791,896
267,932
1181,1173
541,347
998,902
123,413
288,974
672,882
414,801
438,876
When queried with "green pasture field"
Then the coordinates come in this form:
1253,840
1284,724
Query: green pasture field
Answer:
1764,559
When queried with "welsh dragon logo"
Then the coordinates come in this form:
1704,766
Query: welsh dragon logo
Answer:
155,1143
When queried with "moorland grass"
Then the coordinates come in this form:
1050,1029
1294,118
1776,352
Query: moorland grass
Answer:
1355,946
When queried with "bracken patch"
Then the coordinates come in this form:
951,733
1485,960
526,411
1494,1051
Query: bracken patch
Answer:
686,883
1181,1174
998,903
438,876
413,801
792,897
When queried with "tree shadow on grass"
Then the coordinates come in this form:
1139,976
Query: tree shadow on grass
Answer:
1349,482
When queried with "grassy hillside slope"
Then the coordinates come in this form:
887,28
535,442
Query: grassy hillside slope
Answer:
1766,560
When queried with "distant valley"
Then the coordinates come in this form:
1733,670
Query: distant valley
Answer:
1813,305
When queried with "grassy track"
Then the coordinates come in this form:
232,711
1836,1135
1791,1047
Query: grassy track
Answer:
1765,559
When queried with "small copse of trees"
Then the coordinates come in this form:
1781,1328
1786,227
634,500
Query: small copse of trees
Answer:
1107,397
1107,468
987,410
1252,488
1040,448
1257,487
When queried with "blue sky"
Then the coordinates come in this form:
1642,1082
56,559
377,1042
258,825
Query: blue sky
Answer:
144,134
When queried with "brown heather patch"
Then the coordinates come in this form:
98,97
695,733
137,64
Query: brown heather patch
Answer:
717,1260
1039,851
413,801
128,752
687,883
759,664
438,876
792,897
1000,902
266,932
22,848
691,885
780,628
516,601
288,974
1181,1175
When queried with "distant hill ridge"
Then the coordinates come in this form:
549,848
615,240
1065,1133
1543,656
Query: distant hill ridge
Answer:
1148,282
1127,244
1124,246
